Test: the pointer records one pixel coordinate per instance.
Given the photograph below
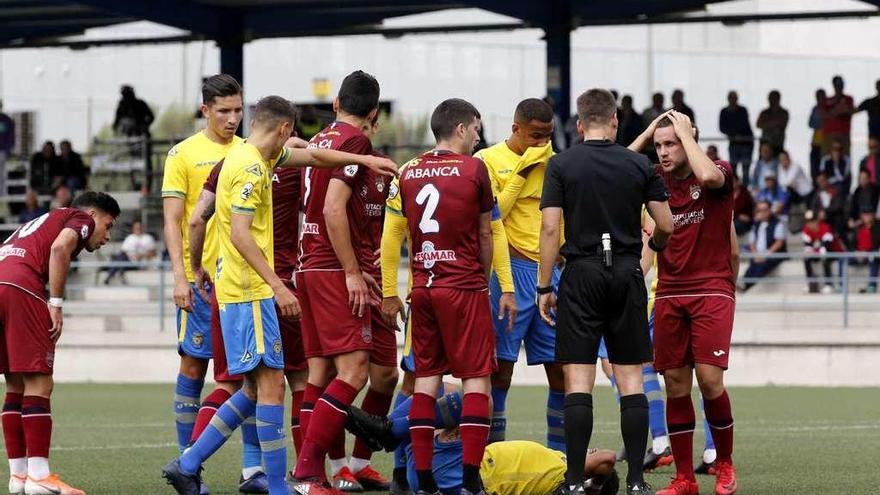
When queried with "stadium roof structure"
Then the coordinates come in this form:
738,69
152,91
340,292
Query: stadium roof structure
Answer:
231,23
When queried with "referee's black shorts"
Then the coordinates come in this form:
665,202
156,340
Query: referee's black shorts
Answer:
595,302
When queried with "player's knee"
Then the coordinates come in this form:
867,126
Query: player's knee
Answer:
230,387
501,379
193,368
297,380
384,378
14,383
555,377
38,384
321,372
249,389
711,384
678,383
409,383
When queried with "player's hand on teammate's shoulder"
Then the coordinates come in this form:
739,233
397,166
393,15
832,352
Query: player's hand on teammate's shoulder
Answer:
391,308
507,306
381,165
183,295
57,318
547,306
287,302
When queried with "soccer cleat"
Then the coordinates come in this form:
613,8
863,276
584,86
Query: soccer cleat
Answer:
203,489
344,481
725,479
371,480
255,484
565,489
50,485
16,484
311,486
680,486
654,461
399,489
184,484
705,468
639,488
372,429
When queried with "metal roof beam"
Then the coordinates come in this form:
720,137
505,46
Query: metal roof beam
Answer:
188,15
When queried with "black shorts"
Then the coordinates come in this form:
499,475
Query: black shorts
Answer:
595,302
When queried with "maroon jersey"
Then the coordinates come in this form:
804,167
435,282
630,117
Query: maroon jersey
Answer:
285,213
697,259
316,252
24,256
211,181
443,195
374,209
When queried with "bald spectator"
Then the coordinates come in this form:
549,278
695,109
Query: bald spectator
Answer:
733,121
872,107
772,121
679,105
836,117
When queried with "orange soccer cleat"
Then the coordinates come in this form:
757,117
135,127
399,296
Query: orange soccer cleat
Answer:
344,481
372,480
680,485
50,485
725,478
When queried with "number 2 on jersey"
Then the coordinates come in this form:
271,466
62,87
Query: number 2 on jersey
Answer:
428,196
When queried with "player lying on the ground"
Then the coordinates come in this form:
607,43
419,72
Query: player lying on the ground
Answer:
508,467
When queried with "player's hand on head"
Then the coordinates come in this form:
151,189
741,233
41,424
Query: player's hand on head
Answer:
507,307
547,306
391,308
682,124
358,293
381,165
183,295
653,125
202,282
287,302
57,318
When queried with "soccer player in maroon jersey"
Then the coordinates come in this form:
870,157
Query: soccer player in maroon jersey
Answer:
695,298
447,201
37,254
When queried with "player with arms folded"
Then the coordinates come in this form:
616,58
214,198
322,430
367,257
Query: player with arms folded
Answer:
37,254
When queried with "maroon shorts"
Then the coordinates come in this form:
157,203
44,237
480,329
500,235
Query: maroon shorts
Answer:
452,332
692,329
291,338
24,323
328,327
384,351
221,368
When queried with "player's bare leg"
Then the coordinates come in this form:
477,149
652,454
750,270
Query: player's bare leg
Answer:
383,381
720,418
680,419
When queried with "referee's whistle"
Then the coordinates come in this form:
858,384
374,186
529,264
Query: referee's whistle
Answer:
606,248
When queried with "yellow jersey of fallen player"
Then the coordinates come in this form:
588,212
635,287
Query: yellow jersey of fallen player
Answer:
521,468
187,167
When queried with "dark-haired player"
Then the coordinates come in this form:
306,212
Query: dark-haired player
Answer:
517,167
695,299
446,197
37,254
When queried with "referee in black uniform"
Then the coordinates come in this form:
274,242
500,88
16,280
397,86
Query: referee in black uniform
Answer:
599,188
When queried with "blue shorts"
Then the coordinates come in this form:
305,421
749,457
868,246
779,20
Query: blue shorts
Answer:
408,358
194,329
603,351
251,335
446,467
540,339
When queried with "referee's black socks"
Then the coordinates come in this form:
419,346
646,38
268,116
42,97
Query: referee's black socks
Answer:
634,428
578,430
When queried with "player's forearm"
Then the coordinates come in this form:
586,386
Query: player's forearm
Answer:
173,214
197,230
640,142
705,170
59,262
501,257
549,251
322,158
340,238
509,194
393,234
245,244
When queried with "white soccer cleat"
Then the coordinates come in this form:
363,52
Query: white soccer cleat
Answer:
50,485
16,484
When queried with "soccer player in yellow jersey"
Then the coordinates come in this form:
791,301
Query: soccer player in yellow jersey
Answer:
516,166
248,288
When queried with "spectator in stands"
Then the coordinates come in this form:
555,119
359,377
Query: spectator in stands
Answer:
766,237
679,105
712,152
32,208
72,167
62,197
558,139
836,165
868,240
137,246
743,207
872,106
818,139
133,115
864,198
776,195
793,178
871,162
836,115
629,122
829,204
733,121
772,121
44,165
766,164
819,239
654,110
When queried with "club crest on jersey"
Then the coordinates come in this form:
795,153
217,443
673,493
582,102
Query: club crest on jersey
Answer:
366,334
695,191
84,231
247,190
198,340
380,184
428,255
350,170
393,190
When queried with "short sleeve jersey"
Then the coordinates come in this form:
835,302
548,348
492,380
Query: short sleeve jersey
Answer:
187,167
520,467
316,251
24,256
286,183
244,187
442,196
697,258
373,214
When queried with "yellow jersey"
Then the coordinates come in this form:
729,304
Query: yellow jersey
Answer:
187,167
521,468
518,199
244,188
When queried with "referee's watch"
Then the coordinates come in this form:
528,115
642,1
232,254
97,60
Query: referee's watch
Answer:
544,290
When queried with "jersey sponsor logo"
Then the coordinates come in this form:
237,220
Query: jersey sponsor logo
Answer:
695,191
688,218
310,228
393,190
84,232
350,170
429,256
247,190
7,251
428,173
275,178
206,163
373,209
255,169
